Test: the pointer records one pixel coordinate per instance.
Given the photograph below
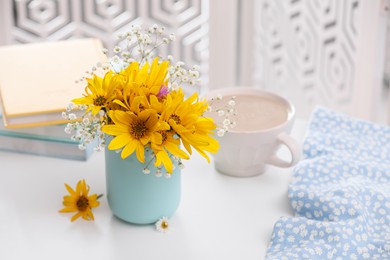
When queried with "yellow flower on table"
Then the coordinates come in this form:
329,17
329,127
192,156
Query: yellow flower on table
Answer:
79,201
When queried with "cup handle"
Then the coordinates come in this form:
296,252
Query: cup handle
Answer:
293,147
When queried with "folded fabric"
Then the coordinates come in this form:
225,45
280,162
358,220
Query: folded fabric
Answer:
340,193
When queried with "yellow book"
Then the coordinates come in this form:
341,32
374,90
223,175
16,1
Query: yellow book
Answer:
38,81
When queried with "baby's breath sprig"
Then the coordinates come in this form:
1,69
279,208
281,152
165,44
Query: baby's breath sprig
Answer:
179,75
85,130
138,44
225,112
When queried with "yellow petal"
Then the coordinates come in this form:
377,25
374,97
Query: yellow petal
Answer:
163,157
115,129
175,150
67,210
140,151
119,141
70,190
76,216
129,149
121,117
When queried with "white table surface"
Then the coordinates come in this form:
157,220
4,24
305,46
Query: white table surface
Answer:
219,217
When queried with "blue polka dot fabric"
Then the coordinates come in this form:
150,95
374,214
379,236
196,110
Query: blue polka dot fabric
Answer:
340,193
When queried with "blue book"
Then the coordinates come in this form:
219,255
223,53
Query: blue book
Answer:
49,141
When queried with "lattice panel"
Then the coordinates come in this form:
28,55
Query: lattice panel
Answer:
307,49
50,20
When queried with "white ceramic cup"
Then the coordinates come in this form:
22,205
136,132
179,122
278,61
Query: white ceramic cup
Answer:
246,152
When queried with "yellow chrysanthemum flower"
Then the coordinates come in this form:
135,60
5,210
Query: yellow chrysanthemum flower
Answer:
79,201
150,77
133,132
99,92
148,82
185,119
171,145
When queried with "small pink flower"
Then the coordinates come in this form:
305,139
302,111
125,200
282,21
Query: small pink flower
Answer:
163,91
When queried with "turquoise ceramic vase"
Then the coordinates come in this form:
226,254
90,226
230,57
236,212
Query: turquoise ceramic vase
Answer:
136,197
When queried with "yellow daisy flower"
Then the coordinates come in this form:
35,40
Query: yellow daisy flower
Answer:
185,119
171,145
147,81
133,132
99,92
79,201
152,77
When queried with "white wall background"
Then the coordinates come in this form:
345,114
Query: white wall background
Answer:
327,52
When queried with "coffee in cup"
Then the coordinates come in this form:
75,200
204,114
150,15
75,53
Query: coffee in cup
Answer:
262,123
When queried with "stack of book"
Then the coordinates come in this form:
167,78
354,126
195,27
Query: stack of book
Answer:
37,82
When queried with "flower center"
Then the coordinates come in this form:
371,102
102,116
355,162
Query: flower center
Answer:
138,129
175,118
99,101
164,136
82,203
164,224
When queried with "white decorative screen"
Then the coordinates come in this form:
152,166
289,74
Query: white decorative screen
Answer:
307,49
50,20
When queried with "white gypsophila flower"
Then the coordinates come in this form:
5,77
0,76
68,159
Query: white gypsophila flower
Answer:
232,103
185,79
68,130
221,132
70,107
172,37
226,122
72,116
194,74
181,165
158,172
117,49
196,67
86,120
221,113
161,30
146,170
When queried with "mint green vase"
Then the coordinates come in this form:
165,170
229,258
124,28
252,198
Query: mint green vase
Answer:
136,197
